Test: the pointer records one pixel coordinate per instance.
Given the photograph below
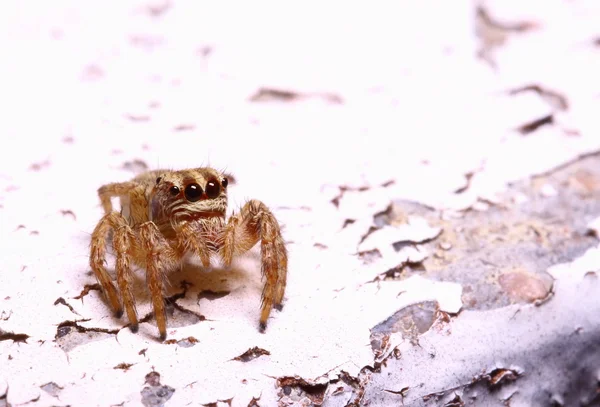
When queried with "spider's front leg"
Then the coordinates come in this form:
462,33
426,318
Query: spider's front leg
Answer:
160,256
122,244
256,222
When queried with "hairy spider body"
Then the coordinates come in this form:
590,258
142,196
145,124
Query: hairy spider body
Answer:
167,214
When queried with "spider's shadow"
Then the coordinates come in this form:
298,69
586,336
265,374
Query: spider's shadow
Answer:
188,285
194,279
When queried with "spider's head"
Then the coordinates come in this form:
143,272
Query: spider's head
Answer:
189,195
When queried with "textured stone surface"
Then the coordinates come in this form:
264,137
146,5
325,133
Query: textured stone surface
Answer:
436,175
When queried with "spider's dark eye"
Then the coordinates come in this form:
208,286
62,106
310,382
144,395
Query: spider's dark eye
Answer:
225,182
213,189
193,192
174,190
158,180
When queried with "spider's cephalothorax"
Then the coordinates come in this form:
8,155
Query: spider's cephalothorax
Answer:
166,214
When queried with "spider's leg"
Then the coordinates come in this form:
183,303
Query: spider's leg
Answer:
108,191
279,246
160,256
110,221
123,242
256,222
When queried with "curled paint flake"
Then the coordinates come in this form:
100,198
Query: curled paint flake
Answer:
416,230
252,354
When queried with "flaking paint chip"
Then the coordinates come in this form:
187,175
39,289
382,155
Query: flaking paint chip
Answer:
416,230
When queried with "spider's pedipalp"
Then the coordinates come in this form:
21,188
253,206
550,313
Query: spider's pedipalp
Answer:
193,240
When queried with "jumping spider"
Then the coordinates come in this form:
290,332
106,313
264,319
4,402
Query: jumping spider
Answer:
167,214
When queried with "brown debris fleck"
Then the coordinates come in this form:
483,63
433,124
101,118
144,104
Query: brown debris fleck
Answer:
532,126
254,402
86,290
270,94
252,354
455,402
555,99
123,366
216,403
402,392
39,165
348,222
6,336
521,26
61,300
68,212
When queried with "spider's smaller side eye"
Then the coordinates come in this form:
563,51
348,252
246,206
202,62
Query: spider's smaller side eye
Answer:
174,190
224,182
158,180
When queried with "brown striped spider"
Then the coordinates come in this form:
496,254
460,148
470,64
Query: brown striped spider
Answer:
167,214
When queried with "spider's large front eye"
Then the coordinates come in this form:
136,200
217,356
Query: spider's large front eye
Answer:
225,182
193,192
213,189
174,190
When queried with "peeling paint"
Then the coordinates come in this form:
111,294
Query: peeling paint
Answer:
251,354
155,394
456,221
